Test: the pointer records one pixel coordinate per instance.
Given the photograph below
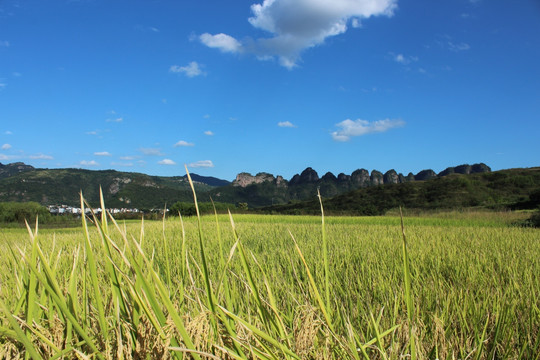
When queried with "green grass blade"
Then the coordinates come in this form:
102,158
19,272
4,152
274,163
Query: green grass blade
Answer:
316,293
20,335
408,291
325,258
92,268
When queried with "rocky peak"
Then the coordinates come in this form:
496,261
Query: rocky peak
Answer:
329,177
307,176
280,181
408,178
343,178
377,178
447,171
244,179
480,168
463,169
391,177
13,169
360,178
425,175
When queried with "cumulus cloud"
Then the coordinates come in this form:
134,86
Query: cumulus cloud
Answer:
41,157
349,128
209,133
287,124
191,70
6,146
202,164
127,158
296,25
151,151
183,143
166,162
223,42
102,153
88,163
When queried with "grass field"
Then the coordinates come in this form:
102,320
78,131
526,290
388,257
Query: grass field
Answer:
456,286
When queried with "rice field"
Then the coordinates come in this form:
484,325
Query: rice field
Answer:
450,286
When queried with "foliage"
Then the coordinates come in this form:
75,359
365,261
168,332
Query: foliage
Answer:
534,220
19,212
205,208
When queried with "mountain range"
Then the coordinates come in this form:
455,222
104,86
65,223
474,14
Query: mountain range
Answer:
20,182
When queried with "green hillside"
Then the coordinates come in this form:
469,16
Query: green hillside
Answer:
121,189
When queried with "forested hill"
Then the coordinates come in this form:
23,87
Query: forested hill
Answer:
505,189
121,189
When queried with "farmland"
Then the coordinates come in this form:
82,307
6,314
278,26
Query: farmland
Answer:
457,285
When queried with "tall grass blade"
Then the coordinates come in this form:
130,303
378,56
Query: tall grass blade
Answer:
92,268
325,257
20,335
408,291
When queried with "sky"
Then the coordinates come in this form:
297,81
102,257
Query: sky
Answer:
269,85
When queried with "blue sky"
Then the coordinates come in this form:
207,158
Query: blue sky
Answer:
273,86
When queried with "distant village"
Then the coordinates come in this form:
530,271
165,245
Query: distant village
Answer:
66,209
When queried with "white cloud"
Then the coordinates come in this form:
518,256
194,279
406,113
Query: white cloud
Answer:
2,85
287,124
151,151
117,120
166,162
223,42
4,43
7,132
359,127
127,158
41,157
296,25
4,157
102,153
402,59
183,143
88,163
202,164
458,47
191,70
92,132
209,133
6,146
16,74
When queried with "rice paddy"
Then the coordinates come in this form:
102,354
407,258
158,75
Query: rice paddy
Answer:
450,286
